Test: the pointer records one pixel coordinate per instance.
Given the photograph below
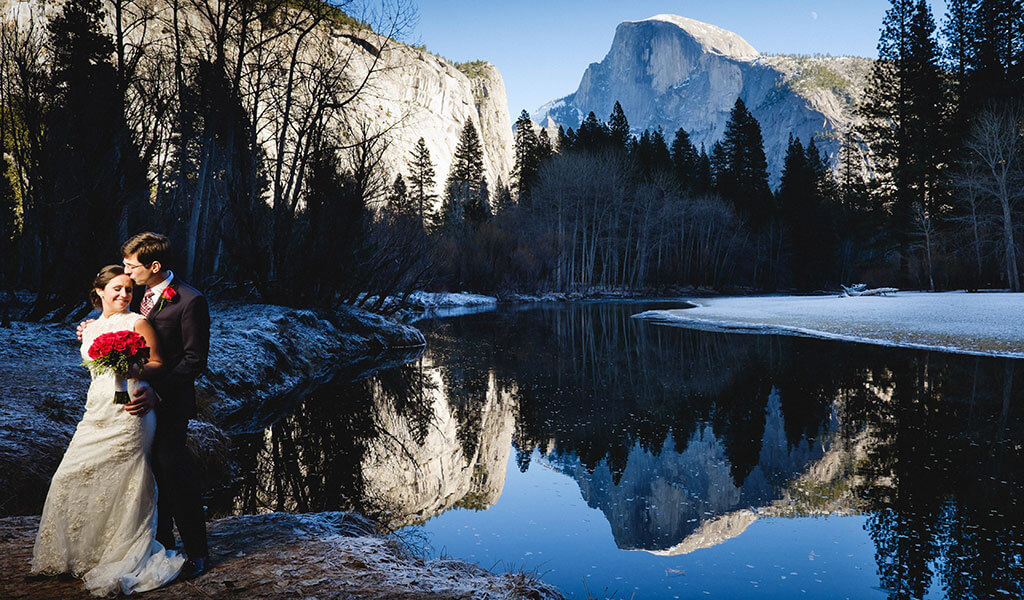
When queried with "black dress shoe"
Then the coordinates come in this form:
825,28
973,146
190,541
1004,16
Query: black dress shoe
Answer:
193,567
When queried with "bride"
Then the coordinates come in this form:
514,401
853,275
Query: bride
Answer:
99,520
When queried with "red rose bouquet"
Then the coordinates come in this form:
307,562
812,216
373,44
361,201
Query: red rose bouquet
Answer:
118,352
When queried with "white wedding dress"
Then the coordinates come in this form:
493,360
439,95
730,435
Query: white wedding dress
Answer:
99,520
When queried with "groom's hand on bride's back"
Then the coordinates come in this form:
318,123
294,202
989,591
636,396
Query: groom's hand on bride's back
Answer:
143,401
81,328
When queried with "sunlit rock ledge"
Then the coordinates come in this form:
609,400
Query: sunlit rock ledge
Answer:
279,555
260,356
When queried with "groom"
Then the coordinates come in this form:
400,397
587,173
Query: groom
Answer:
181,318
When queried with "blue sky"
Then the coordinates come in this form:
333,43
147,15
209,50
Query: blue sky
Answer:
543,47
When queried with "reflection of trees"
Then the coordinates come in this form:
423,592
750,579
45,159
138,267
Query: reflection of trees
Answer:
311,461
597,389
597,382
943,478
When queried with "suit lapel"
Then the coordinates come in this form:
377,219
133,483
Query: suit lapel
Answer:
160,304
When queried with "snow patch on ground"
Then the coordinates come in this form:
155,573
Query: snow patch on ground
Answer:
449,299
987,324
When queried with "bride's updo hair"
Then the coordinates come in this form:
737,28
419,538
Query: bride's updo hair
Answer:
104,277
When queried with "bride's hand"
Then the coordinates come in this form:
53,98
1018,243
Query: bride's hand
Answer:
143,401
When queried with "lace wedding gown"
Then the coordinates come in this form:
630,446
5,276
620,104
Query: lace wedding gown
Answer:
99,520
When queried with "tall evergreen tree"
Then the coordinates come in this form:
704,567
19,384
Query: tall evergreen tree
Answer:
527,159
902,110
399,202
742,175
465,197
618,127
651,154
592,134
421,180
502,198
805,192
564,143
998,39
684,160
702,177
544,147
95,189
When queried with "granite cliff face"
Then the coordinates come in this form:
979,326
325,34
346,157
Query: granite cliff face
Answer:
411,94
670,72
418,94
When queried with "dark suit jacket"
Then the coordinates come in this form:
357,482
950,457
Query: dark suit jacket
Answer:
183,327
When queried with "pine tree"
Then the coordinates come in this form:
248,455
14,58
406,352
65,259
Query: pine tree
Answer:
564,142
806,197
399,202
651,154
544,148
618,127
703,177
527,159
592,135
421,180
465,196
478,206
742,175
903,116
684,160
94,182
502,198
998,41
718,163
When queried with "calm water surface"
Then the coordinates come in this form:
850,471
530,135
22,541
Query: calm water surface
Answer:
623,459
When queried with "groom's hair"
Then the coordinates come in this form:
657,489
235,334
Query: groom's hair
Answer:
150,247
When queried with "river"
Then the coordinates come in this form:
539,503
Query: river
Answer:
619,458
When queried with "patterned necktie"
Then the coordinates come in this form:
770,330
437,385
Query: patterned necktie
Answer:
147,303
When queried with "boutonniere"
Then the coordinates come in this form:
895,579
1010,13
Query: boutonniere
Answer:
167,296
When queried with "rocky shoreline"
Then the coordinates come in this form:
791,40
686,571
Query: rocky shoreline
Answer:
279,555
262,359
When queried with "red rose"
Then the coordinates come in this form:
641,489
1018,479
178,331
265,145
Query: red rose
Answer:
168,294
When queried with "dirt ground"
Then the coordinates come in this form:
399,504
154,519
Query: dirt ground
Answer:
329,555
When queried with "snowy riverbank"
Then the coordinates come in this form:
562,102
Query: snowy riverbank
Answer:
987,323
279,556
261,357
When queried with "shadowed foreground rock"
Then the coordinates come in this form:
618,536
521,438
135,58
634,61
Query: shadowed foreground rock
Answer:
278,555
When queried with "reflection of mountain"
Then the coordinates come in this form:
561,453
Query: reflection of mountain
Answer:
665,497
399,447
682,438
423,478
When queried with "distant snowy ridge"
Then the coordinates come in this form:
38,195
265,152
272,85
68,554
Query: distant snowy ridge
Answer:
987,324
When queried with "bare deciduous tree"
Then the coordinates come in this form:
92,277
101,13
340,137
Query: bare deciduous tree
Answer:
996,142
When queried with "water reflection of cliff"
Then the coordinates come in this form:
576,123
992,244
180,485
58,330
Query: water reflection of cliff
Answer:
681,438
664,498
401,446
